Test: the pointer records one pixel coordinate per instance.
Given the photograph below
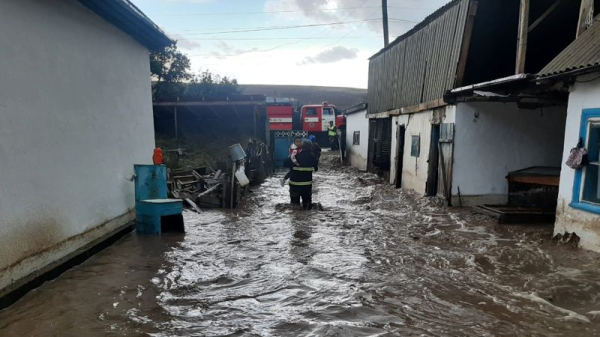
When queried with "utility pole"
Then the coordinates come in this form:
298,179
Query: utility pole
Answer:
386,37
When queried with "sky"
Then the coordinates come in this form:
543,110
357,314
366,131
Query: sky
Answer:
301,42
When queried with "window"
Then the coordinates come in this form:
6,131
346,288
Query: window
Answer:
356,138
311,111
591,190
328,112
415,146
586,187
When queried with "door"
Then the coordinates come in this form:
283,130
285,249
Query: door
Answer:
446,160
327,116
432,170
310,119
400,154
371,149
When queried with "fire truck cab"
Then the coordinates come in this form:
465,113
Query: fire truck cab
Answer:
316,118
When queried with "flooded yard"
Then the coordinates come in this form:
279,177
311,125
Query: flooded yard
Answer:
375,261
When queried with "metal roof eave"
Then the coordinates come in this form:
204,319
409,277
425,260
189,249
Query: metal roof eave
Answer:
500,81
128,18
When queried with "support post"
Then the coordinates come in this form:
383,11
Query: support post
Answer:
585,14
522,38
466,44
255,122
386,35
176,128
232,183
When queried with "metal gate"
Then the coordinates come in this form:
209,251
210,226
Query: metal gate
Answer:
380,145
281,144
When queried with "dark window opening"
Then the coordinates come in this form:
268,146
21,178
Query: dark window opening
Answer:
356,138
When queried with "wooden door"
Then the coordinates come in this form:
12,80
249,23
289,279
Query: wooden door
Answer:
446,160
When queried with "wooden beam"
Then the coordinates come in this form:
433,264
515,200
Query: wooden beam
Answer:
423,106
223,103
522,38
544,15
466,44
585,13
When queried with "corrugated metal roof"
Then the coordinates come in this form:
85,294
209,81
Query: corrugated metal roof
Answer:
439,12
130,19
420,66
583,53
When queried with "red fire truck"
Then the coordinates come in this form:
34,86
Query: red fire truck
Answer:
285,123
280,113
316,118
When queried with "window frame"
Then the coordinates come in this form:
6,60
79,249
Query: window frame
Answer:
356,138
415,146
588,117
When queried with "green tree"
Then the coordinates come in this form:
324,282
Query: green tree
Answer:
171,76
209,84
170,69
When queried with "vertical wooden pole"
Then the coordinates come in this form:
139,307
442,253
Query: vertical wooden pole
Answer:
386,35
466,44
176,128
255,123
232,183
522,38
587,10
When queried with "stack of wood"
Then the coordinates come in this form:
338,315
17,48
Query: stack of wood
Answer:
199,187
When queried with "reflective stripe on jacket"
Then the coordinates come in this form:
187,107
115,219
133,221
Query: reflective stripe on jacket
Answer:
302,175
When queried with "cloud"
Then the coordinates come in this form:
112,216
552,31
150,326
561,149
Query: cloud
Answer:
332,55
403,14
225,50
187,1
185,43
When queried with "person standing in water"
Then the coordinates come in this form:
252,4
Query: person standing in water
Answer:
301,177
295,149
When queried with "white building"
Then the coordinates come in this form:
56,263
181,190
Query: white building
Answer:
578,208
357,136
456,110
76,112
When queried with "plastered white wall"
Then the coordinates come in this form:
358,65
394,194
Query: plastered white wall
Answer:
584,95
357,154
76,114
492,139
414,170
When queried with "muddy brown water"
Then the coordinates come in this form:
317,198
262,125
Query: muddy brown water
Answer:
375,262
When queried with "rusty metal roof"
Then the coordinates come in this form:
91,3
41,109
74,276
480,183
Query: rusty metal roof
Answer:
581,54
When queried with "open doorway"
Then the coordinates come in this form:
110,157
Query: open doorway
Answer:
400,154
432,172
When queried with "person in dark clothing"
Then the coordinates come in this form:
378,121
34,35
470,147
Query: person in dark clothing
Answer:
301,178
316,149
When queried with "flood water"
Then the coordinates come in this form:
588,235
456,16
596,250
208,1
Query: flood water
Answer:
374,262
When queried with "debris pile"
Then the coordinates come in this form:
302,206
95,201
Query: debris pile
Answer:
201,187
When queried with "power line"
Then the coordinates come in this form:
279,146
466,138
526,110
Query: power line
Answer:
291,11
260,29
281,38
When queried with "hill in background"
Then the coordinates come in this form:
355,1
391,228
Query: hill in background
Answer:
343,98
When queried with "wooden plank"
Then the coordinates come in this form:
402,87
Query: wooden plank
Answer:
423,106
535,180
586,10
522,37
466,44
544,15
